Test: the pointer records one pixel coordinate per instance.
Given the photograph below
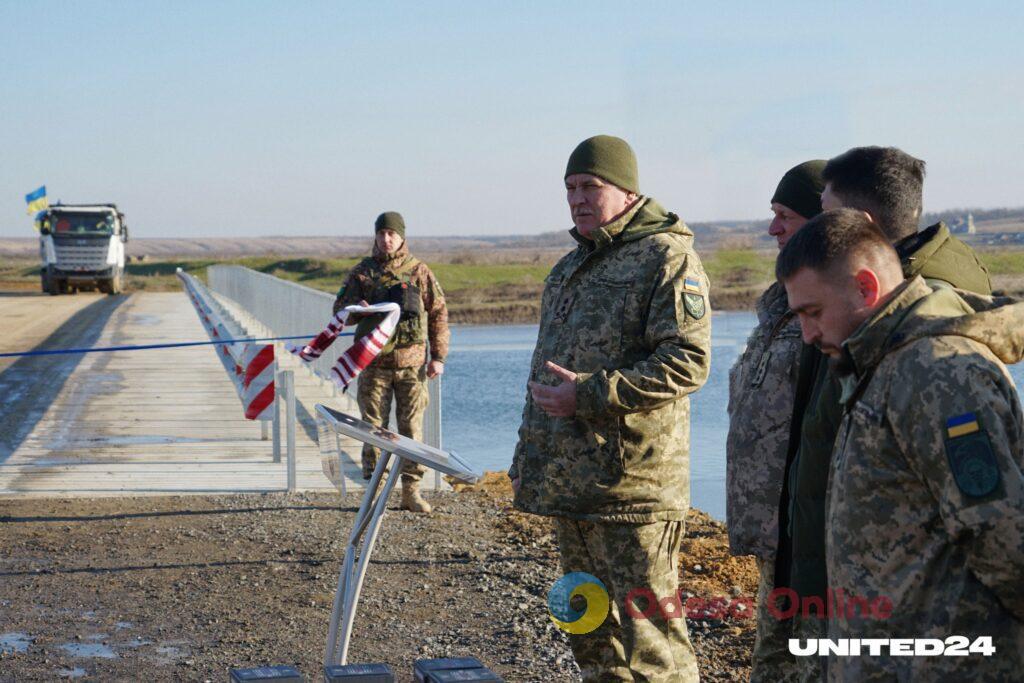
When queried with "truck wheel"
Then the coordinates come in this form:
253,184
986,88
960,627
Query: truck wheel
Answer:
52,282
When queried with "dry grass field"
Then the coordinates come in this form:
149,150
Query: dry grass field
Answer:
488,286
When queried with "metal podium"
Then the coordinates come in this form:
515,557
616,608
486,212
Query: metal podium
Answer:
330,424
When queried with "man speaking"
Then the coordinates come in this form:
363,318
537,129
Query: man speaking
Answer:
604,443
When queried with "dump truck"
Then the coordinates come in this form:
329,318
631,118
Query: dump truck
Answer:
81,247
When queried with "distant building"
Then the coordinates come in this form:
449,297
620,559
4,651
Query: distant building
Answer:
963,225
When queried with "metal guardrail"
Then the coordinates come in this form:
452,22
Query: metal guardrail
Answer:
219,323
287,309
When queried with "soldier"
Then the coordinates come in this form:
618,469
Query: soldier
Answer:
762,386
604,444
401,369
925,509
886,184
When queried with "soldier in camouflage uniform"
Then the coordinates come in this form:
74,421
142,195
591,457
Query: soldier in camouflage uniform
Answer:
604,444
762,387
401,370
925,504
886,184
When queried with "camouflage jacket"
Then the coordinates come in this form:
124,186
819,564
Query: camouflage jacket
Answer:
942,260
628,311
370,280
925,503
762,385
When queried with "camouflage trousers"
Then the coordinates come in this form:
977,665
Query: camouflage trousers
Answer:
408,386
772,660
630,557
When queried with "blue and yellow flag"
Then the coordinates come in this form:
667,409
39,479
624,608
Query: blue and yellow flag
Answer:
37,201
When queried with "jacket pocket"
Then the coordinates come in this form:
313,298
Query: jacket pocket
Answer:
592,450
599,320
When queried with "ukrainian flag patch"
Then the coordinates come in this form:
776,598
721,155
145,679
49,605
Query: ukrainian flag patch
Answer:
961,425
691,285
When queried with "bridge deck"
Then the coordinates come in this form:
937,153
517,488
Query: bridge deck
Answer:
164,421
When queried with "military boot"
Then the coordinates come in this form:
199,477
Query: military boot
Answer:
411,498
369,463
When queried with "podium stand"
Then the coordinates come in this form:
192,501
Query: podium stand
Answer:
394,449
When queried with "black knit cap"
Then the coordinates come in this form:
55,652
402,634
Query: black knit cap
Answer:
390,220
800,189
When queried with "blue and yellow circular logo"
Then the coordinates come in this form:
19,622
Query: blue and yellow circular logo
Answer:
572,620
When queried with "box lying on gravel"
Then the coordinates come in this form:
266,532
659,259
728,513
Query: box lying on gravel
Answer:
267,674
359,673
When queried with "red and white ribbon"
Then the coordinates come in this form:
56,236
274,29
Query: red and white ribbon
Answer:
362,352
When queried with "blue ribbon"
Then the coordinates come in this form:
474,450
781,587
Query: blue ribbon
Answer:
141,347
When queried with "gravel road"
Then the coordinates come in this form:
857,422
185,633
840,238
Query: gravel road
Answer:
184,588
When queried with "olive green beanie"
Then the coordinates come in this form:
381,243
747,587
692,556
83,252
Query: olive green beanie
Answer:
606,157
800,189
390,220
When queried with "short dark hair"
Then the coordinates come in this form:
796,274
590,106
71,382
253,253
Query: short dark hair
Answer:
831,239
884,181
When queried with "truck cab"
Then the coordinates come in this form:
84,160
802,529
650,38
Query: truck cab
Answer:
81,247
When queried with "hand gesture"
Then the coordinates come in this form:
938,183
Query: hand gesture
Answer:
559,400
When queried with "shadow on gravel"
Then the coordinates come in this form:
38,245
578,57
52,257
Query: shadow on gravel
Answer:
312,562
172,513
32,383
161,567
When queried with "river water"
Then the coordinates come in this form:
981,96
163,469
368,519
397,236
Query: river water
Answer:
485,385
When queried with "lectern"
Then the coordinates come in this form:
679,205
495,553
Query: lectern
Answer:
394,449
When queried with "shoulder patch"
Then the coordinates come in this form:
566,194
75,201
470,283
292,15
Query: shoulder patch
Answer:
693,298
694,304
970,456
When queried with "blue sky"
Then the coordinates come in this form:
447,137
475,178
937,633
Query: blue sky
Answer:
233,119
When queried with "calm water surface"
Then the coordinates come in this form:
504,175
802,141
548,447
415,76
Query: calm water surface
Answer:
485,386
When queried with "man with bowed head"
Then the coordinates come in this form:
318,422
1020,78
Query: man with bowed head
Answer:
604,444
886,185
925,503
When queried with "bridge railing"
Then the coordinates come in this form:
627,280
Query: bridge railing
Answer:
287,309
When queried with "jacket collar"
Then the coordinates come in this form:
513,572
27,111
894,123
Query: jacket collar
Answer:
604,235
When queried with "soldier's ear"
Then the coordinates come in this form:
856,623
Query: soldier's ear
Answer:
869,287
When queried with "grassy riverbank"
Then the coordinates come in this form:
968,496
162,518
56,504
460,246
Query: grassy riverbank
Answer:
484,288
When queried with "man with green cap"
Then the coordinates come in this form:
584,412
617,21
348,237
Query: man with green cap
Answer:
886,185
603,448
762,389
402,368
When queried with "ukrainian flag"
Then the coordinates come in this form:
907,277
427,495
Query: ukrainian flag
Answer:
961,425
37,201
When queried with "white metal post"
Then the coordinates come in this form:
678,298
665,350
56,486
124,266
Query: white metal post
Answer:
278,388
289,391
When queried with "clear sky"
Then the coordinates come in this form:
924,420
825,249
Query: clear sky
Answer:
304,118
